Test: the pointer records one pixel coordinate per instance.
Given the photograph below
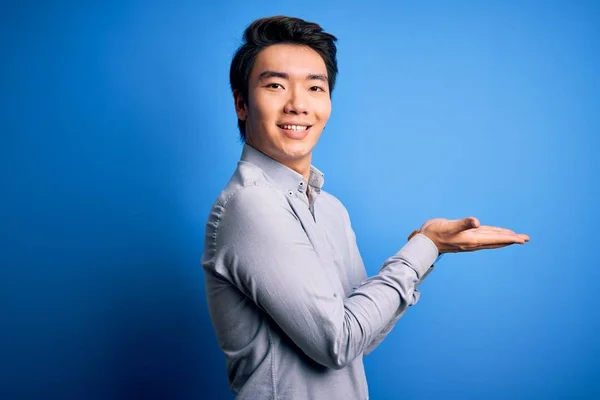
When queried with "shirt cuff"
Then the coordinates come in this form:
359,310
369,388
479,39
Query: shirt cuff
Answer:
420,252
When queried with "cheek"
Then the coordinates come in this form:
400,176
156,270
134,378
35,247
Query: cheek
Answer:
266,107
324,111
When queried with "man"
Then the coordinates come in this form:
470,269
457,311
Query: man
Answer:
289,298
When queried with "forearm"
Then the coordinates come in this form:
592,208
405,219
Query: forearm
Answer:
401,309
366,314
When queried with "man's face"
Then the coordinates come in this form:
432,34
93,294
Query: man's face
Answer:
288,102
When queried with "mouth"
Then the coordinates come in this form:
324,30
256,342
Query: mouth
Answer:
295,131
295,128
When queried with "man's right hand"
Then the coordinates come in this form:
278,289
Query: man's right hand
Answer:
467,234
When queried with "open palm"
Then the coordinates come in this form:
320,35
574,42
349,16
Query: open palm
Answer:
467,234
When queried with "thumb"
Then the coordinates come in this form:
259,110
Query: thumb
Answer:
466,223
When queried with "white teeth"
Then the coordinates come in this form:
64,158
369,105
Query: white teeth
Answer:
294,127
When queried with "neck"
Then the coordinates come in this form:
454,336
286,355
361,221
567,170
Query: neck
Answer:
300,165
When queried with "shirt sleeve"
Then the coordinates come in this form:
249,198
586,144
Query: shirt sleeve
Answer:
401,310
427,246
262,249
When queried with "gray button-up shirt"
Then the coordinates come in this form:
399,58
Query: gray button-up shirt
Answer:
288,294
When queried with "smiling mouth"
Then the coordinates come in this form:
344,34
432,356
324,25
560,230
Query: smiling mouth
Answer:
295,128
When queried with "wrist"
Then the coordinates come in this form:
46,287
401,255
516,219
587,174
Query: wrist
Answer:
430,237
416,232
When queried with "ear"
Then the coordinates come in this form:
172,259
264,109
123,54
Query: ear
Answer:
240,105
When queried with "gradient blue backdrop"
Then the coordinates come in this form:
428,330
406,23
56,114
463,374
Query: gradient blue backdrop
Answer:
118,132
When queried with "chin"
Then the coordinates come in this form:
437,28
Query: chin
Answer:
297,150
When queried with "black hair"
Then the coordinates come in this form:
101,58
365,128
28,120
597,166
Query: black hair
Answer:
265,32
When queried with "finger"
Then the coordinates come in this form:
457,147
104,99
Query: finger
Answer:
504,239
498,229
486,247
486,237
488,228
460,225
493,229
474,222
505,230
485,232
490,247
496,246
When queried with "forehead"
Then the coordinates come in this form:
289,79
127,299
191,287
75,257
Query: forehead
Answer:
291,59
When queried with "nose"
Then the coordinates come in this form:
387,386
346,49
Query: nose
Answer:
297,102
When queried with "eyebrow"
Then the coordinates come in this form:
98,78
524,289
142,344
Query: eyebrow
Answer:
274,74
317,77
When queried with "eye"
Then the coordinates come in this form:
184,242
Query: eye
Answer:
274,86
317,89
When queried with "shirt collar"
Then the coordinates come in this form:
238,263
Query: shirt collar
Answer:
284,177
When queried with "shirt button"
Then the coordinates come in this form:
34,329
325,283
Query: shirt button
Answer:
290,193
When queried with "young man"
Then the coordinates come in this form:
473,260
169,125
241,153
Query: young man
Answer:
290,301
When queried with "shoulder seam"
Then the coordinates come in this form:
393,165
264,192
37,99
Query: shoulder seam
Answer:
223,204
253,184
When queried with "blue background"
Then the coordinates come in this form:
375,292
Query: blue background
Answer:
118,132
